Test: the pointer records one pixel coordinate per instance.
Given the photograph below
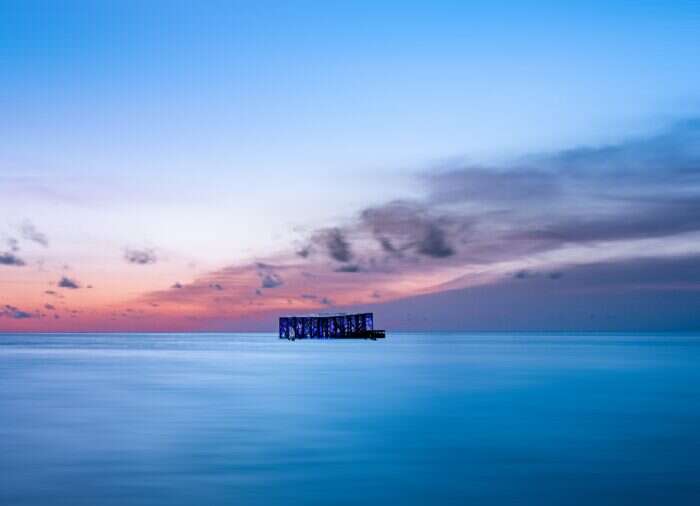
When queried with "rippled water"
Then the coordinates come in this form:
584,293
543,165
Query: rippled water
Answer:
246,419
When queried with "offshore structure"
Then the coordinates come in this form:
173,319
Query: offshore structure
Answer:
329,326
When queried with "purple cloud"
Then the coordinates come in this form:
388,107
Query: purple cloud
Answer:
69,283
11,259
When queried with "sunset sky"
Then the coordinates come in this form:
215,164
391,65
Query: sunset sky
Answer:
208,166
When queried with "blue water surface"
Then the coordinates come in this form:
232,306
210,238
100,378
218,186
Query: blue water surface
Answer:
420,418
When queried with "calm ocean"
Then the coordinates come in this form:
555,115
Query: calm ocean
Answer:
420,418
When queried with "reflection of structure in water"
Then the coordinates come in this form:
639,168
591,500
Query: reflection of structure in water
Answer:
340,325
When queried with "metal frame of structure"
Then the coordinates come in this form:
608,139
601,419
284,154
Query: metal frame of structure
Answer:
325,326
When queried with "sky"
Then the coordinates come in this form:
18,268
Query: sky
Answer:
209,166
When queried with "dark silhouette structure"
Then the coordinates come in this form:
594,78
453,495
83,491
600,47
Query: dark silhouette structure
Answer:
329,326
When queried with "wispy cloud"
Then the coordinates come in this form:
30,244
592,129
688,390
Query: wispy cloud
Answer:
335,244
348,268
270,280
30,233
402,226
13,244
140,256
9,311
